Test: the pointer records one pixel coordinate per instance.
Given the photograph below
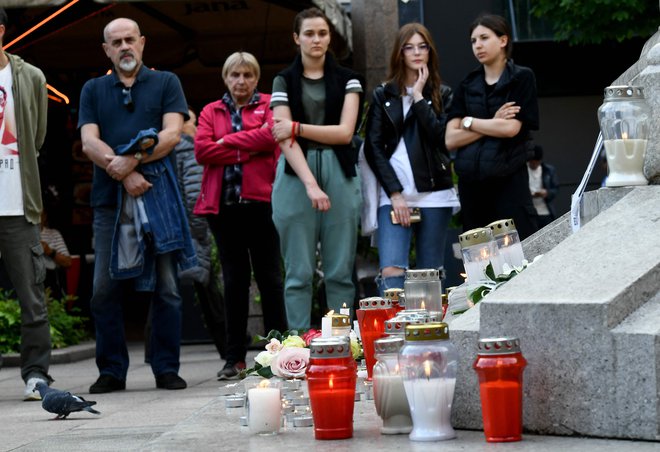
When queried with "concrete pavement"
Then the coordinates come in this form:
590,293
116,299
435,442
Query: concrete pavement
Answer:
149,419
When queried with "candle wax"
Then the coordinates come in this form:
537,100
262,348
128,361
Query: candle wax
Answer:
391,403
265,410
430,407
326,326
501,406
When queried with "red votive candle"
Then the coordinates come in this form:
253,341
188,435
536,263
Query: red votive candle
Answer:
331,378
499,366
373,313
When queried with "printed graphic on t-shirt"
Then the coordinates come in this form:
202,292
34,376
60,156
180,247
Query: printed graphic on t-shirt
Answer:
10,174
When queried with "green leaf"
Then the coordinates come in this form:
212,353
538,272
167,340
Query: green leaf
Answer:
490,272
265,372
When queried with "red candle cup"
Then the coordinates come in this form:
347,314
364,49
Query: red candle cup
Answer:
331,378
373,313
499,366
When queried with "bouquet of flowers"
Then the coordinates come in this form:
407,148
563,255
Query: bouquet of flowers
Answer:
287,354
494,281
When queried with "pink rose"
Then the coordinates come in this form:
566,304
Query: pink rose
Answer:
274,346
309,335
290,362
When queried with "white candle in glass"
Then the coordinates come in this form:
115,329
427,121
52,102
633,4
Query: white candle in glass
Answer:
430,407
326,325
625,159
512,255
391,403
265,409
345,311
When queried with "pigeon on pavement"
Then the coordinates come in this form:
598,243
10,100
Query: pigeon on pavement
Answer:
63,403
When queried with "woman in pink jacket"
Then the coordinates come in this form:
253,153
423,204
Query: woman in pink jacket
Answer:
236,147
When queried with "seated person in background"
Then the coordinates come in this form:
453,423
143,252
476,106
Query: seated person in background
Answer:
57,257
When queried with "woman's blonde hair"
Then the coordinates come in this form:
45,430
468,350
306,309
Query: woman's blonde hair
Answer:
238,59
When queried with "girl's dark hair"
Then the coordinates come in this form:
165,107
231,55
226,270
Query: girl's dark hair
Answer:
498,25
397,70
309,13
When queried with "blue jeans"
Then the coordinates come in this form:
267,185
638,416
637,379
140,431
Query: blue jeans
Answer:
106,307
394,242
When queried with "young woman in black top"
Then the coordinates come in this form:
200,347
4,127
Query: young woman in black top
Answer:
493,111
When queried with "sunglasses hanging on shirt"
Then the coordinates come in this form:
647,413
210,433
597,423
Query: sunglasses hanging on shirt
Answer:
128,99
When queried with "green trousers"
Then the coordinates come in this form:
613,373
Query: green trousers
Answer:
301,228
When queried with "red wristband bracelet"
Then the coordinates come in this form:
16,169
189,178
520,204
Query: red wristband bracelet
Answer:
293,131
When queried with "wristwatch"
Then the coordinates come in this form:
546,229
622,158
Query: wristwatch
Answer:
467,122
138,156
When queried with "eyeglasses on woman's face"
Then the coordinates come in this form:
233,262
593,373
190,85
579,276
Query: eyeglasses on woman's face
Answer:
412,48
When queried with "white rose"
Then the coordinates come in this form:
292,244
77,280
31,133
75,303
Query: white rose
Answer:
265,358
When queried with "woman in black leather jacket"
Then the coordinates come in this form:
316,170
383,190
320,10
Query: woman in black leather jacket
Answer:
405,149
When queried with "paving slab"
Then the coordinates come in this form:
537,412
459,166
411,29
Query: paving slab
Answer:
143,418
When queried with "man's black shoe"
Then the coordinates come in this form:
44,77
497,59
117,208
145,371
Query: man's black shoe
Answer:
170,381
107,383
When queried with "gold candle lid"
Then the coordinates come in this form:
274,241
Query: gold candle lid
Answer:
427,332
475,237
500,227
340,321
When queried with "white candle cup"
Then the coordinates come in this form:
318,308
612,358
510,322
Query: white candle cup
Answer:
264,411
345,311
430,407
326,326
625,161
392,404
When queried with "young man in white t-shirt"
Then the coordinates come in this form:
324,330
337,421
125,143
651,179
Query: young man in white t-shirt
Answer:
22,254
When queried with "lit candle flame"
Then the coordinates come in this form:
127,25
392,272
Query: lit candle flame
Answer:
463,275
484,253
344,305
624,135
330,313
427,369
331,383
507,240
396,369
263,384
423,305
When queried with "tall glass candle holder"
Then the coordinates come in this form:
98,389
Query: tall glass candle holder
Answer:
479,249
423,289
625,120
389,393
499,366
428,366
331,378
373,313
508,242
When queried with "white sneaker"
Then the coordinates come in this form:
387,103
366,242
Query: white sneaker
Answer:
31,392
